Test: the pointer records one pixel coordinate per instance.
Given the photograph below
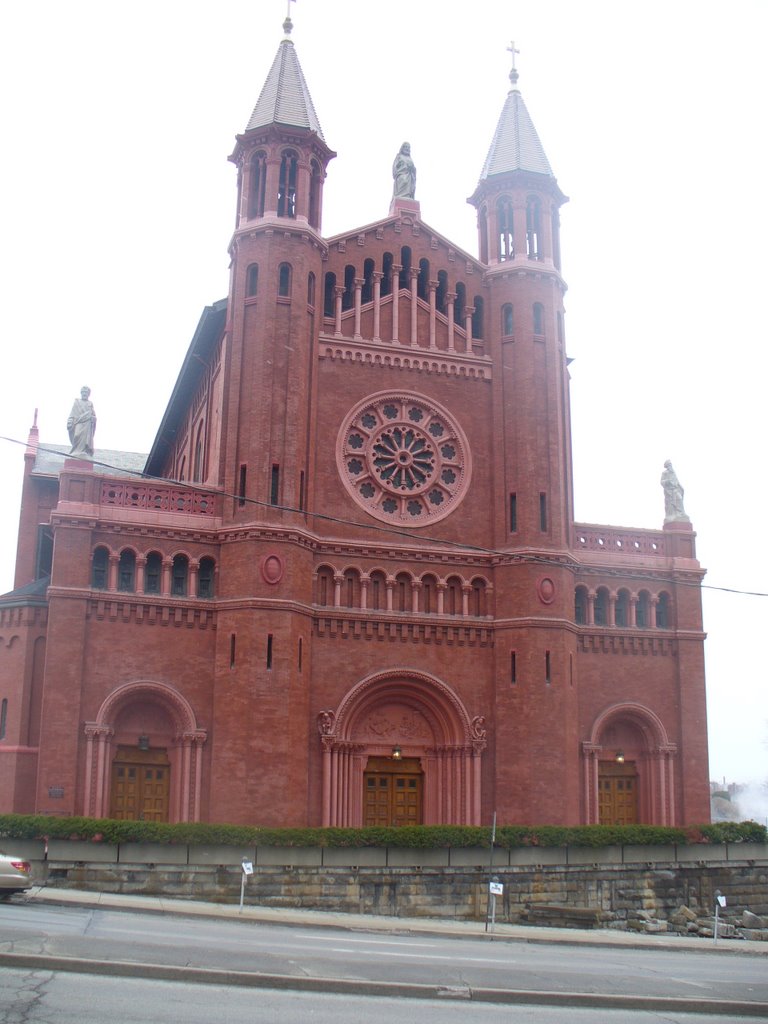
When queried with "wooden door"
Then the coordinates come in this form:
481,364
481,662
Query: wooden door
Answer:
140,785
617,793
392,792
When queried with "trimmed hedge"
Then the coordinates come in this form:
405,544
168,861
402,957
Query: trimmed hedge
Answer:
105,830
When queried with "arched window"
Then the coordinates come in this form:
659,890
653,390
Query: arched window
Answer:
533,227
402,594
368,268
479,604
350,589
482,226
126,571
377,591
205,578
505,228
348,298
183,469
286,195
453,596
663,619
179,576
556,238
405,263
324,586
538,318
386,280
478,326
284,280
329,298
442,289
311,289
601,607
428,603
507,320
422,282
622,608
258,184
643,610
459,304
197,465
252,280
580,606
315,192
153,573
100,569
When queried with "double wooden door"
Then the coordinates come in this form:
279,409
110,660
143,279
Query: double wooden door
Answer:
393,792
617,793
140,785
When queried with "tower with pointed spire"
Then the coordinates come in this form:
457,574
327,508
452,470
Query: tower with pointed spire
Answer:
349,588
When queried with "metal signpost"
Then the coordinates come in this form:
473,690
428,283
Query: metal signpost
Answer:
247,870
720,901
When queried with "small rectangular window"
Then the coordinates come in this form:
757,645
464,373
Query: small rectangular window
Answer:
301,652
301,491
232,643
547,668
241,487
513,667
269,650
543,512
274,491
513,513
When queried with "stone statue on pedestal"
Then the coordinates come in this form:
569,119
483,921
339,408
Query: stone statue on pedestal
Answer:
674,512
81,426
404,174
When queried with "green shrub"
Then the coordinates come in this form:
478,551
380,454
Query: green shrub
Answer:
105,830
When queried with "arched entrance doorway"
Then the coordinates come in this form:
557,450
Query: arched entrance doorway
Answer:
401,749
144,756
629,768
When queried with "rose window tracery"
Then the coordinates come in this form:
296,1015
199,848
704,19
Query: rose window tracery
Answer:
403,458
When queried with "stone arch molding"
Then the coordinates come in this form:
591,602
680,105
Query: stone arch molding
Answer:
184,753
426,718
656,765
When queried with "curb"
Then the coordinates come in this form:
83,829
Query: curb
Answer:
344,986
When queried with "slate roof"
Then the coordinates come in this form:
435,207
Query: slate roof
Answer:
285,97
49,461
37,588
516,145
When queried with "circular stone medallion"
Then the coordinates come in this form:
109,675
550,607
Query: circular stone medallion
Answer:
403,459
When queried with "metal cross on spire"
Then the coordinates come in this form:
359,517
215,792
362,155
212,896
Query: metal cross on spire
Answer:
510,49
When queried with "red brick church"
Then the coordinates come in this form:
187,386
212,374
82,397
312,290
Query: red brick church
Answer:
346,586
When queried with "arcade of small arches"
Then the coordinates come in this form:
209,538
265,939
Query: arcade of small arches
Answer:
623,608
130,572
428,594
511,228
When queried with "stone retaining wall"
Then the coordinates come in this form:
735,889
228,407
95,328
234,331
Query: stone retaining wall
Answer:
649,889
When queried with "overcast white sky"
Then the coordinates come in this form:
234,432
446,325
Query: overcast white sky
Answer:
118,203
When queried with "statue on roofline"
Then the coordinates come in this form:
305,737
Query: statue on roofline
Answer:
404,174
674,511
81,426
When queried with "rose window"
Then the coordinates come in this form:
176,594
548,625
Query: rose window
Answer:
403,459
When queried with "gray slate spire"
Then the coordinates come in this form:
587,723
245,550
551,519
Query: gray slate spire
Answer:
285,97
515,145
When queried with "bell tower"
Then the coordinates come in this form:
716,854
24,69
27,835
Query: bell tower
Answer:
277,253
517,202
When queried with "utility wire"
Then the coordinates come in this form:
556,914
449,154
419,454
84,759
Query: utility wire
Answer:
389,530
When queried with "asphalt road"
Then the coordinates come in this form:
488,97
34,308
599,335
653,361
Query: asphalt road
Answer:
49,997
175,947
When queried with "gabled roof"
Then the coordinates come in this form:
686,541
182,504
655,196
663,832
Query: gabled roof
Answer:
516,145
285,97
49,461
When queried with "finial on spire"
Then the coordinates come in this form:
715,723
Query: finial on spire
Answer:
513,74
288,24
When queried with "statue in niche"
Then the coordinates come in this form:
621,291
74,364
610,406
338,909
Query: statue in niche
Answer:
404,174
674,512
81,426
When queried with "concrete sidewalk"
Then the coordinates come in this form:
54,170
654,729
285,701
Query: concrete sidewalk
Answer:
288,916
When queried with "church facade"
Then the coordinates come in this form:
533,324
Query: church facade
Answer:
346,586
